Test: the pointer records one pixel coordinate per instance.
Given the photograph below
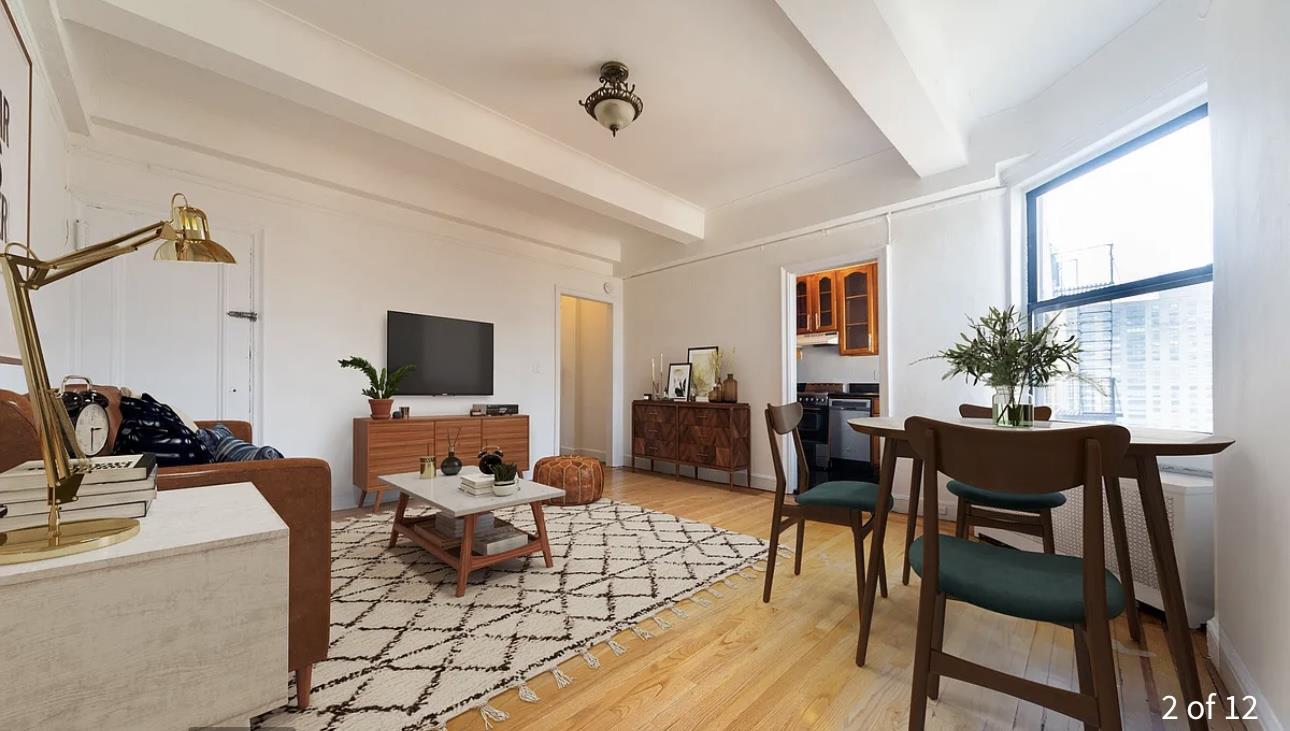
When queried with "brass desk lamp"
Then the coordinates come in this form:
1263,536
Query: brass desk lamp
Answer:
186,237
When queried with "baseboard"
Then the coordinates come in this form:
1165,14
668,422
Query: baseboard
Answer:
599,454
759,481
1236,678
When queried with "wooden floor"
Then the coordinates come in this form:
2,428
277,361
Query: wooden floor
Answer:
790,664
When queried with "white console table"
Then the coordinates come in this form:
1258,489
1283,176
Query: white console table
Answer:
182,626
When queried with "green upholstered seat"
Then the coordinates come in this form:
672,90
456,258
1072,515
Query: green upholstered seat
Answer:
850,494
1006,500
1038,586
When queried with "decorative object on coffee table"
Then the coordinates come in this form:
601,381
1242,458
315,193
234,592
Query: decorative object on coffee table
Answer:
382,385
428,467
451,464
504,482
581,478
489,457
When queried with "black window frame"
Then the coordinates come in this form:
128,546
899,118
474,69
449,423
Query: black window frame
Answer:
1159,283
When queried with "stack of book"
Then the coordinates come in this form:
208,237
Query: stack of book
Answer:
114,487
477,484
492,535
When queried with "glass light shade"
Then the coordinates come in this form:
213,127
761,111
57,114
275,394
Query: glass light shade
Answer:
615,114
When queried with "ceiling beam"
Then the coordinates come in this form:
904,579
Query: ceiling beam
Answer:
859,46
261,46
56,60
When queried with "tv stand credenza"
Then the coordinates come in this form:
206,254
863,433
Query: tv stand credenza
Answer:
391,446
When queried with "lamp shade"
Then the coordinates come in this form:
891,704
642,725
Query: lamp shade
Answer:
614,114
187,236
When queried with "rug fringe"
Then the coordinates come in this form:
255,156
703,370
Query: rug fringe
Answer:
746,576
561,680
702,601
762,569
616,648
679,612
491,714
730,583
644,634
662,623
592,661
713,591
527,694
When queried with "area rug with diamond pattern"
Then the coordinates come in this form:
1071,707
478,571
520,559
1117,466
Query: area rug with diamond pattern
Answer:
407,654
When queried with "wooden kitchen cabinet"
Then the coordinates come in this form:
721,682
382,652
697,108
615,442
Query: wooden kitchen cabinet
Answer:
858,309
816,298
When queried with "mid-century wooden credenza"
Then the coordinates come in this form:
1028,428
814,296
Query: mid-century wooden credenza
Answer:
391,446
708,435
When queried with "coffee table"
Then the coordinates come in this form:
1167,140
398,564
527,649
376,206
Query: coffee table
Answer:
442,492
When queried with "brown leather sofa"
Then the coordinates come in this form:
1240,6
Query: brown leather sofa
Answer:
298,488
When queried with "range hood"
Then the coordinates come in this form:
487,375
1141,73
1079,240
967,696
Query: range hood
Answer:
817,339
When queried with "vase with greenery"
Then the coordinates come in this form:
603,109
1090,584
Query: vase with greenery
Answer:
1001,350
382,386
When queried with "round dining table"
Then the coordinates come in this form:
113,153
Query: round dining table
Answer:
1141,463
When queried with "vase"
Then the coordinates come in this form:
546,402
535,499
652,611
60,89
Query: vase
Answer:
381,407
451,464
730,389
716,395
1011,409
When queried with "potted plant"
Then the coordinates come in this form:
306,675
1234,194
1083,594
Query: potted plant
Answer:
504,479
1001,351
383,385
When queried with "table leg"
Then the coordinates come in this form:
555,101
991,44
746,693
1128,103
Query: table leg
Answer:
467,538
1162,549
398,518
886,474
1119,536
540,520
915,487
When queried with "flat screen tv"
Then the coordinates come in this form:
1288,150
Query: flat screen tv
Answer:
452,357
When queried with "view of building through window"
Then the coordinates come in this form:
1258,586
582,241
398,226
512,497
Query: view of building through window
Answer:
1122,256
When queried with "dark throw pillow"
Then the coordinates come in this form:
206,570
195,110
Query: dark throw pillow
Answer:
151,427
224,447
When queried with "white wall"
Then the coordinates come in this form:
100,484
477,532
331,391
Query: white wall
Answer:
1250,123
49,207
944,262
332,265
568,374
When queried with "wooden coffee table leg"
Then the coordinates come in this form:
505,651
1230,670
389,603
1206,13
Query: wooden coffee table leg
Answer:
541,530
1162,549
463,570
398,518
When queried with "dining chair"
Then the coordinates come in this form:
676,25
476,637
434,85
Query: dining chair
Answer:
839,502
1078,593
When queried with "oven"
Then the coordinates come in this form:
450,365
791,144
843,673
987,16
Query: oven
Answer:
814,428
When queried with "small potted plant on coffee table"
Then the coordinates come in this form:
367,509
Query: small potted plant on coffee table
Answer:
383,385
504,479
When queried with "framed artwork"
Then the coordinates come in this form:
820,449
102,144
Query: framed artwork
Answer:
678,381
15,133
704,368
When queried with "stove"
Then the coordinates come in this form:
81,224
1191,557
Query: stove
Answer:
828,446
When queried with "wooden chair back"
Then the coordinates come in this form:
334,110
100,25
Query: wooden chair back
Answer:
781,420
972,411
1022,461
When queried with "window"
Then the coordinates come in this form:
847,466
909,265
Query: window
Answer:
1120,251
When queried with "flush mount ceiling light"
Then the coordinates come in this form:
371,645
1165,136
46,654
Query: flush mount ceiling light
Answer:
615,104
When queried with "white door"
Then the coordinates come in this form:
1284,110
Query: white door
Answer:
163,327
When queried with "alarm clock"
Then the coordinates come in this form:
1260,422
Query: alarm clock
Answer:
88,410
489,457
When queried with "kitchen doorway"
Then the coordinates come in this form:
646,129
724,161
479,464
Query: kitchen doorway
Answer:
585,403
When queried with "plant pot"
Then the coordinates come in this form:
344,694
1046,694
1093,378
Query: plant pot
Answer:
451,464
1011,410
505,489
381,407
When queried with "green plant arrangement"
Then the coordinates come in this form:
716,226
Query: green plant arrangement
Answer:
1000,350
382,386
504,473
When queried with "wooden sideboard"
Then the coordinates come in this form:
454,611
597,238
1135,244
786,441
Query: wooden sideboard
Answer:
708,435
391,446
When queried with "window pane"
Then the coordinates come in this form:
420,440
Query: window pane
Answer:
1145,214
1152,356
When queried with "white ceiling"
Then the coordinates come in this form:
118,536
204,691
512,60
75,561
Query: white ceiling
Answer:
986,56
736,101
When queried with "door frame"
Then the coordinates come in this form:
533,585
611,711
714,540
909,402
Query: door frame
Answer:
81,199
616,449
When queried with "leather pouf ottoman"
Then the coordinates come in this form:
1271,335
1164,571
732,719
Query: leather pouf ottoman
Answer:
581,478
